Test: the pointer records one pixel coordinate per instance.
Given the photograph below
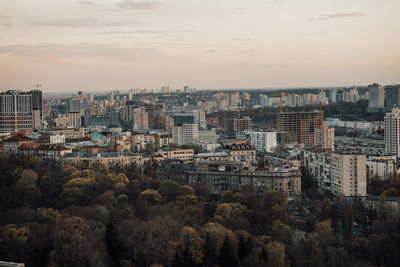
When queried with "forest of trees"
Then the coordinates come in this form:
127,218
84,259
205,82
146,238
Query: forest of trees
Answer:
54,215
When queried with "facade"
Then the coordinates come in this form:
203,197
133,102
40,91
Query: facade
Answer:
392,132
105,159
301,124
72,120
317,163
11,144
45,151
381,167
392,95
348,174
176,154
325,137
183,118
227,175
20,110
185,134
263,141
376,98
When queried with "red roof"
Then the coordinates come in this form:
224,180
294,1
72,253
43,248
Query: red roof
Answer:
19,138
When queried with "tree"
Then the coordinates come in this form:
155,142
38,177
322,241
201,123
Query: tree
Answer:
227,255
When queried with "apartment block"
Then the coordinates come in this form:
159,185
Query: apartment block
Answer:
301,124
348,174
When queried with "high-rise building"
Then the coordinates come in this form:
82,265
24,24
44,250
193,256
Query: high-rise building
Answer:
376,98
263,141
348,174
392,95
301,124
392,132
185,133
325,137
20,110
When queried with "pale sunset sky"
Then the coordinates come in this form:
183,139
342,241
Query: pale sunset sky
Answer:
122,44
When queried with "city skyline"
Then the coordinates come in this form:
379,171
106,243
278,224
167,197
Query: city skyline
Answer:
123,44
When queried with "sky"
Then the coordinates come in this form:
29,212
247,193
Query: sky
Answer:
103,45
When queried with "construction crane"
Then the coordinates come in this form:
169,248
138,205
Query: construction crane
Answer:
36,85
280,95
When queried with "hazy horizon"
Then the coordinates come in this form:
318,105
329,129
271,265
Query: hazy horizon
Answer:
123,44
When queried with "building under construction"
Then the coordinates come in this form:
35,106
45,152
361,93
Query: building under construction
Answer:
233,123
301,124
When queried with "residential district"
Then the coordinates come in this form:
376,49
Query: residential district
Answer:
318,166
210,136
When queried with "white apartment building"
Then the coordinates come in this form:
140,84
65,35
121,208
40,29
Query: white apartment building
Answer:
392,132
381,167
185,134
348,174
263,141
325,137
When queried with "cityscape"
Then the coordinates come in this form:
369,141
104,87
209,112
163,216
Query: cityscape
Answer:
220,165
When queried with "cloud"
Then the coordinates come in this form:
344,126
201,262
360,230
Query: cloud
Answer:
86,2
133,4
241,39
85,22
146,32
337,16
319,33
63,53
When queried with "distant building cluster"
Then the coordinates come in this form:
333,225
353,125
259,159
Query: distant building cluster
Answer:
199,136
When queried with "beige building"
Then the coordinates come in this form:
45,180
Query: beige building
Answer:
181,154
325,137
348,174
105,159
185,134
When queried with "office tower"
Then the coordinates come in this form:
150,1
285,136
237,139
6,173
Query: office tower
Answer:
20,110
348,174
392,95
185,134
325,137
300,124
392,132
376,98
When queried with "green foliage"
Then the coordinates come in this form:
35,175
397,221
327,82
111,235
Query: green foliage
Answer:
53,215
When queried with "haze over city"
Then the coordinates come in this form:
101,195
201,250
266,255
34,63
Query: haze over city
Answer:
123,44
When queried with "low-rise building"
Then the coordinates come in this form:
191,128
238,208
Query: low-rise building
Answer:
381,167
105,159
175,154
227,175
